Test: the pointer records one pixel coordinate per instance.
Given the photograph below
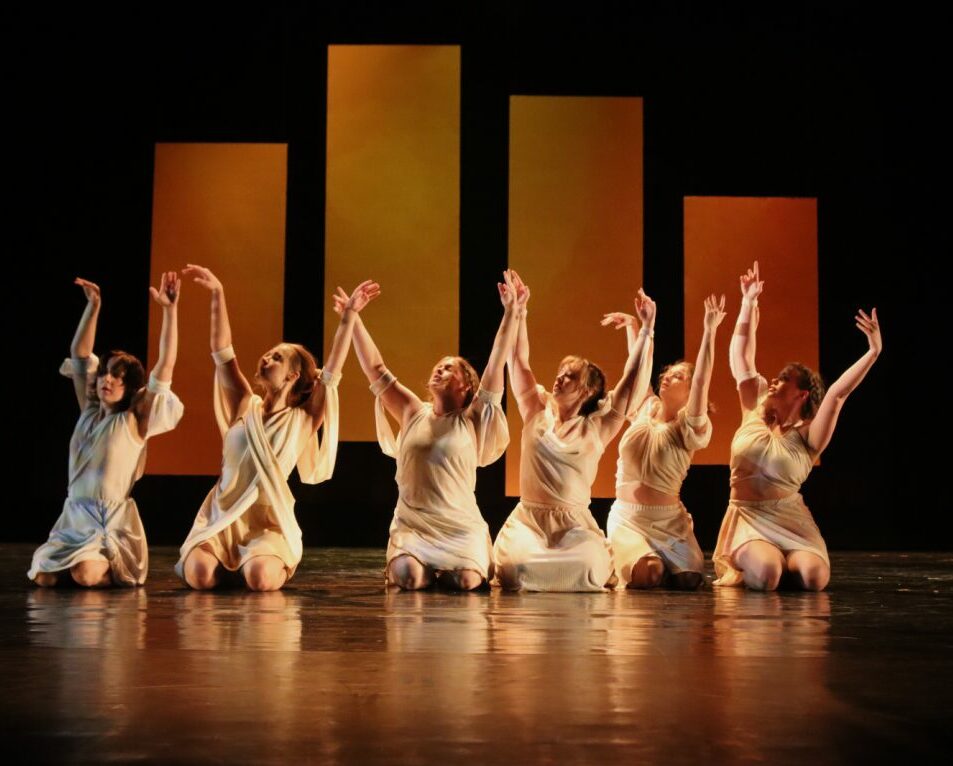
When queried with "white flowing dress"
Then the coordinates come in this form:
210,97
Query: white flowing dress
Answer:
250,510
657,455
100,522
437,520
769,460
551,542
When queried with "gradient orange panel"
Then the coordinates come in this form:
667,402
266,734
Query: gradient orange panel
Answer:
220,206
723,237
575,236
393,208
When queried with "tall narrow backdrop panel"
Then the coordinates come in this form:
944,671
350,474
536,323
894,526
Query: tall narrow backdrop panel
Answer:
393,208
220,206
723,237
575,236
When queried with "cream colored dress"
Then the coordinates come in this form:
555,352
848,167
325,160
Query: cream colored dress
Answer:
250,511
437,520
100,522
769,461
551,542
658,455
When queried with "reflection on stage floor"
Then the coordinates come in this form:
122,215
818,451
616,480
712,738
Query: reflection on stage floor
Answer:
334,669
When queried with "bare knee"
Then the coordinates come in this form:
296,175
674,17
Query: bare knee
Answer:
811,575
201,570
91,574
46,579
647,572
264,574
408,573
763,574
463,579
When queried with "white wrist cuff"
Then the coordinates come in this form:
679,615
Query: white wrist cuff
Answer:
223,355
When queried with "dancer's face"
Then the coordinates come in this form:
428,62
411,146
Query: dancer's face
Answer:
275,367
568,388
784,395
110,385
447,378
675,385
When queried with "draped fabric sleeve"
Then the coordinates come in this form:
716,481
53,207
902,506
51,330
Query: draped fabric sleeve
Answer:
167,408
224,413
385,434
79,367
693,440
489,422
756,411
316,462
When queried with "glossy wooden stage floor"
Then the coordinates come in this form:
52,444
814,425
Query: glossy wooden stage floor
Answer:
334,670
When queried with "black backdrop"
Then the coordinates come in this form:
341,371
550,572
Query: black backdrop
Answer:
810,101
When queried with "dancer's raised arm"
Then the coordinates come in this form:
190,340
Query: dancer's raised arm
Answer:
823,424
701,380
521,375
167,296
351,305
625,390
741,354
618,320
492,379
398,400
82,346
235,385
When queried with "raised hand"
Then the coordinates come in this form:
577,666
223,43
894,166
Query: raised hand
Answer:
340,299
617,320
751,284
168,292
870,327
363,294
90,289
645,309
204,277
714,312
522,291
507,290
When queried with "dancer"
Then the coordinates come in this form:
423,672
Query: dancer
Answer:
767,530
550,542
438,534
99,536
247,522
649,529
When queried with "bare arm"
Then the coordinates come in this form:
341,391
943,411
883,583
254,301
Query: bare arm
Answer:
85,337
352,304
398,400
701,380
625,390
522,380
643,383
167,296
822,426
236,387
492,379
743,341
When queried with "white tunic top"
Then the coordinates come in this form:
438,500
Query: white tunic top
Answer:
99,520
258,455
767,460
550,542
437,520
658,454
